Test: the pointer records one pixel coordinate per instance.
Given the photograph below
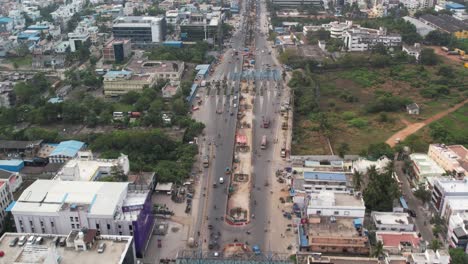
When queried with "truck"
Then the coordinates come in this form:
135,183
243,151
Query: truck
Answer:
266,122
283,151
284,125
264,142
206,161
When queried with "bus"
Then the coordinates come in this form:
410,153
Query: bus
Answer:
264,142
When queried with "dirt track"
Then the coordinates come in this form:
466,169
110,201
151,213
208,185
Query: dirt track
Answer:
411,128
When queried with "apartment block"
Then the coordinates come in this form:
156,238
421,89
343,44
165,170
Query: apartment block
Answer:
59,207
142,31
117,50
453,159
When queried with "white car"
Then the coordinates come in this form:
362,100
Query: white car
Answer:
221,180
235,105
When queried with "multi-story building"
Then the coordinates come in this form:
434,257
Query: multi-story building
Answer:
117,50
172,17
446,189
430,256
422,167
411,5
327,203
6,197
77,247
333,235
162,70
457,230
201,24
453,159
6,24
362,39
297,3
78,38
121,82
142,31
87,168
314,181
392,221
65,12
112,208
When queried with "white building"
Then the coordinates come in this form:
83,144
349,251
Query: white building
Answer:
449,192
414,50
411,5
65,12
172,17
140,30
327,203
430,257
362,165
453,159
392,221
337,29
457,230
78,38
112,208
317,181
6,197
86,168
424,167
79,247
362,39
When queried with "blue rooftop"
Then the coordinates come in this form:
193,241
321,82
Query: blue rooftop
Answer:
67,148
10,162
192,92
5,19
303,237
202,69
454,6
117,73
324,176
38,27
55,100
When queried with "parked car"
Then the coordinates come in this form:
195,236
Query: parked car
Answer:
14,241
101,248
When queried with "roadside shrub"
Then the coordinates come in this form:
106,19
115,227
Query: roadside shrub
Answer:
348,115
358,122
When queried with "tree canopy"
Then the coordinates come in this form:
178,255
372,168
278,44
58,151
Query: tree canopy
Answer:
380,191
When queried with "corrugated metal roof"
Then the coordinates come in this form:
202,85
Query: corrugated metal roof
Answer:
67,148
324,176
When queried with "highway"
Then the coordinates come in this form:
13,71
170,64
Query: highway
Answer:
218,139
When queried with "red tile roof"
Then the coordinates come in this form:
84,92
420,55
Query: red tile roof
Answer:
394,239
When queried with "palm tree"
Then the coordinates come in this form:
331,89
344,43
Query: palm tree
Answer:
357,180
378,250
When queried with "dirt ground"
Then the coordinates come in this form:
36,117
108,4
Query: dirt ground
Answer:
413,127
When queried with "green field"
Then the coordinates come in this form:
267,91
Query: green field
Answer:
346,97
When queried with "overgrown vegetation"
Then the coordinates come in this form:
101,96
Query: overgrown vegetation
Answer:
195,53
148,151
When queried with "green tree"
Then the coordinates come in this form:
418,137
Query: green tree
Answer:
380,191
377,150
179,107
378,250
422,194
343,148
458,256
118,174
435,245
439,38
428,57
357,180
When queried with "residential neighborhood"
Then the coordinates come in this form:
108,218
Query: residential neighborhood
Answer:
266,131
